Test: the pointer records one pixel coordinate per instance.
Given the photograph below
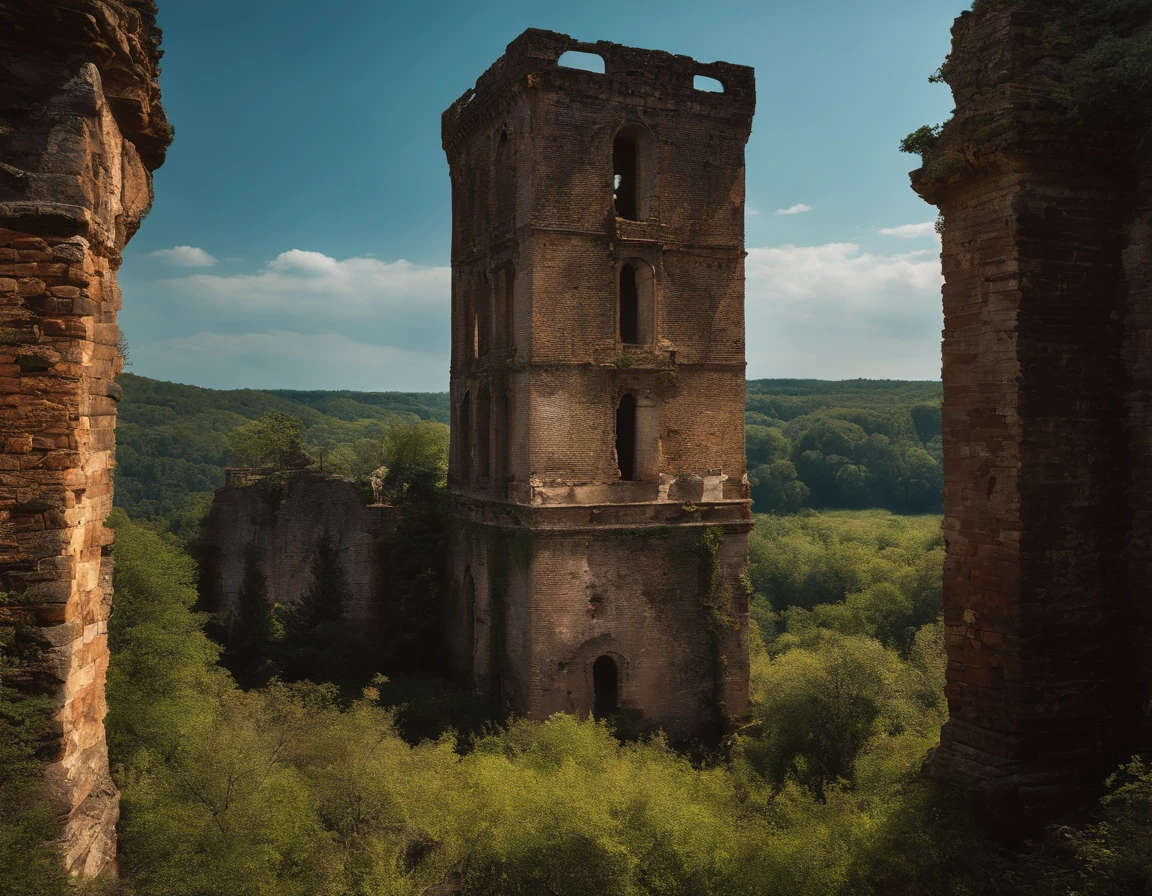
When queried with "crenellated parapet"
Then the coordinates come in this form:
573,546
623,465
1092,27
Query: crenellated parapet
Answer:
81,130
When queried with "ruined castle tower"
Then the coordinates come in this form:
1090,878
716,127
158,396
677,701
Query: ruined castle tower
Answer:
597,466
81,130
1047,419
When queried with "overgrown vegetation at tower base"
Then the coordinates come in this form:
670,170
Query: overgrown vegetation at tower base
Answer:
287,790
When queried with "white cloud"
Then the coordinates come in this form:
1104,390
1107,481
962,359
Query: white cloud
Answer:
283,359
834,312
830,311
302,282
185,257
911,231
797,209
751,212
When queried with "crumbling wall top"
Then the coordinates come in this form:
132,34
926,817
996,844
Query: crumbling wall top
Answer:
1022,85
534,56
120,37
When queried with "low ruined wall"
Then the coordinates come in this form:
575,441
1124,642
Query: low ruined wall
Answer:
284,521
81,130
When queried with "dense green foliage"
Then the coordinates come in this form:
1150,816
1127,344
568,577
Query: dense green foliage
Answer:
859,443
29,862
275,441
287,790
870,573
1108,79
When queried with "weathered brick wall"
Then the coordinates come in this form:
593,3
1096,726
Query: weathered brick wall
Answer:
600,564
1045,423
81,130
568,596
553,129
284,521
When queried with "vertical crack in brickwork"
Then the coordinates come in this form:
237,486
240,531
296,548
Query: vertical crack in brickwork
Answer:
81,129
1048,474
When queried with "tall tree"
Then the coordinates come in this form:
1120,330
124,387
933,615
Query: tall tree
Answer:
250,632
328,595
274,441
318,642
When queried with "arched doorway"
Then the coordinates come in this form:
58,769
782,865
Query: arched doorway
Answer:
606,687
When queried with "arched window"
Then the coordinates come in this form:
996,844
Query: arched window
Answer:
624,172
465,438
626,437
633,172
606,687
629,306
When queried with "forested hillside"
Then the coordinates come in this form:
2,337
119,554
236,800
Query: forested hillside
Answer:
850,444
171,450
811,443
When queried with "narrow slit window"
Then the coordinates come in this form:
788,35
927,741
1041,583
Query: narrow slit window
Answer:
469,612
510,305
625,171
503,461
483,437
629,306
626,438
466,438
483,322
505,314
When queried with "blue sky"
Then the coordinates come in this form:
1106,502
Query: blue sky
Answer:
300,233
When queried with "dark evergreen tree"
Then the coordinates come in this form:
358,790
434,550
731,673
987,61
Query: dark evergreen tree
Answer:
328,595
318,643
250,631
411,621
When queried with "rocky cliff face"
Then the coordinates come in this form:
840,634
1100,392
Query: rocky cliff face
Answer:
284,521
81,130
1046,421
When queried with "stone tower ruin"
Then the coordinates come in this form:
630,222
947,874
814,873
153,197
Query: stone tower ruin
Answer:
597,468
1047,419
